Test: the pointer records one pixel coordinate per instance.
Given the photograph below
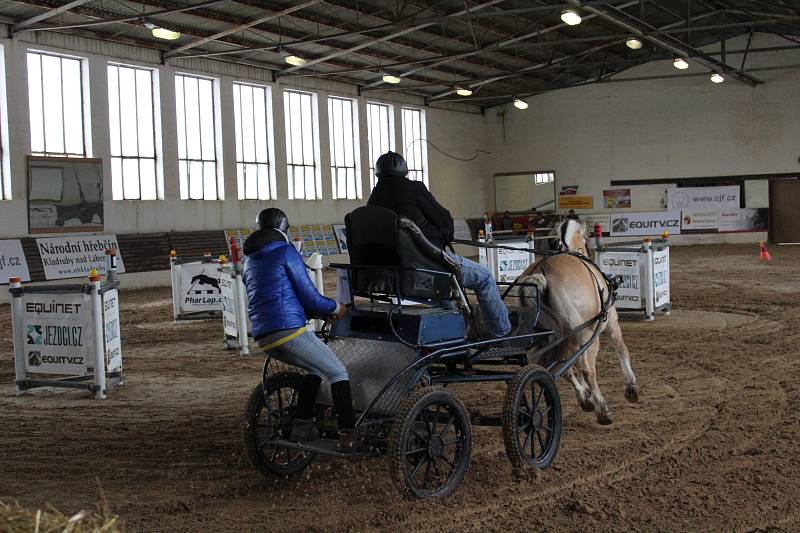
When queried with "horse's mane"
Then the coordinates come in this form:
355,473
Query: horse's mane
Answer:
567,231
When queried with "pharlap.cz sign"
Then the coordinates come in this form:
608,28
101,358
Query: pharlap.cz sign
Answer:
200,290
58,335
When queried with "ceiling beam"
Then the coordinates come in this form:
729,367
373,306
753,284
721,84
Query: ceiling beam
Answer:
640,28
240,27
46,15
384,38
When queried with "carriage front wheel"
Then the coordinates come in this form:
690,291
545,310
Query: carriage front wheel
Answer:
532,418
429,444
269,417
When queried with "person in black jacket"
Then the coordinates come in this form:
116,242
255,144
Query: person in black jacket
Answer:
413,200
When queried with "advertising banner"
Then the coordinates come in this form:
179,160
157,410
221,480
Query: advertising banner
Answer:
512,263
705,198
59,337
569,190
111,330
462,231
617,198
751,219
12,261
604,219
74,257
642,224
661,277
575,202
626,264
693,219
230,324
200,289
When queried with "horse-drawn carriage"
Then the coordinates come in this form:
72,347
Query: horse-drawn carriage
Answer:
401,358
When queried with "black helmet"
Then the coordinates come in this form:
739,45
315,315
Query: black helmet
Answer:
391,165
273,217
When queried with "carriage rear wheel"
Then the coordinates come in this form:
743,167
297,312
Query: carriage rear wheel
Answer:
429,444
532,418
270,417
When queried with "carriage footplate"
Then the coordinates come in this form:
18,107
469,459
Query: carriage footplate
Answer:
523,322
328,447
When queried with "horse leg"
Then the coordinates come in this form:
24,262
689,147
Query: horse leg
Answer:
615,336
590,375
582,392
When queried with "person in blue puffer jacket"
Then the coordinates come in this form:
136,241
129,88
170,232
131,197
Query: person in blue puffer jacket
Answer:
281,295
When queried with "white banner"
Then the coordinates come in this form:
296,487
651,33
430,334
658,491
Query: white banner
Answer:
754,219
111,330
12,261
512,263
462,232
59,337
642,224
200,290
604,219
74,257
630,294
726,197
229,322
699,219
661,277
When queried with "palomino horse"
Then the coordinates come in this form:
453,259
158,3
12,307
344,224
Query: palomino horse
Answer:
571,289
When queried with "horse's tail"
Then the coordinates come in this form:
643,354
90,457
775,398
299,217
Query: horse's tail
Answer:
528,284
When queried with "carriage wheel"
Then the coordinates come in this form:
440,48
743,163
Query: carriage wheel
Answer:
429,444
268,418
532,418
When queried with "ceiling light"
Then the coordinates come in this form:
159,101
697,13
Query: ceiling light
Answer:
717,78
570,17
520,104
388,78
633,43
295,61
461,91
680,63
163,33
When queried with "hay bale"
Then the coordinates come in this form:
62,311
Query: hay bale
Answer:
15,518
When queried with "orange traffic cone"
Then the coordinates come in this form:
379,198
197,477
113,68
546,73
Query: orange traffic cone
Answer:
763,253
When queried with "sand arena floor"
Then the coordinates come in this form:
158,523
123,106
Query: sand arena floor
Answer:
713,444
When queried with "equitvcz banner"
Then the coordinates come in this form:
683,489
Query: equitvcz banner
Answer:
74,257
645,224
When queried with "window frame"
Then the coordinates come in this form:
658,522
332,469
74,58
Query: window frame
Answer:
156,123
216,128
390,129
314,149
5,153
355,148
84,98
272,189
542,177
419,146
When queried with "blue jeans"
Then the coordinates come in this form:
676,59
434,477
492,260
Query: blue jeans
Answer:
308,352
478,278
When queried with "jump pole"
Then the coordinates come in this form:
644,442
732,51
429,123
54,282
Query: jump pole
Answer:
650,311
15,288
175,273
95,281
238,296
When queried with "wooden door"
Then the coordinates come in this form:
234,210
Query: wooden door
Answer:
784,208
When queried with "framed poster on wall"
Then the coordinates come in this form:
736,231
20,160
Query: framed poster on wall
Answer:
65,194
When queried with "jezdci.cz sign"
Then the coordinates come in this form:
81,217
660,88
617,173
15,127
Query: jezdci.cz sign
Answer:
58,335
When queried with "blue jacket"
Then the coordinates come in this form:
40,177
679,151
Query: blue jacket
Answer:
278,285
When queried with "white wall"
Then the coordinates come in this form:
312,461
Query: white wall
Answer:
685,127
461,186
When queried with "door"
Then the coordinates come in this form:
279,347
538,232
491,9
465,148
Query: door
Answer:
784,209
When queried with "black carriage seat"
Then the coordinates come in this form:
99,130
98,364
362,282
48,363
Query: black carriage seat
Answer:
377,236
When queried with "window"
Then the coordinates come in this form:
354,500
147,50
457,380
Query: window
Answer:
380,126
5,171
55,98
254,149
302,145
197,138
414,141
544,177
345,152
132,119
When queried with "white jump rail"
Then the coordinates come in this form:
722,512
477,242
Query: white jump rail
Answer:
235,320
195,287
644,267
68,335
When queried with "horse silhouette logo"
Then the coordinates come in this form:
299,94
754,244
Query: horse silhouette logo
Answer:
34,358
201,280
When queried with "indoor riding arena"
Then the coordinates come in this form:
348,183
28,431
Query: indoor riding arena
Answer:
326,265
